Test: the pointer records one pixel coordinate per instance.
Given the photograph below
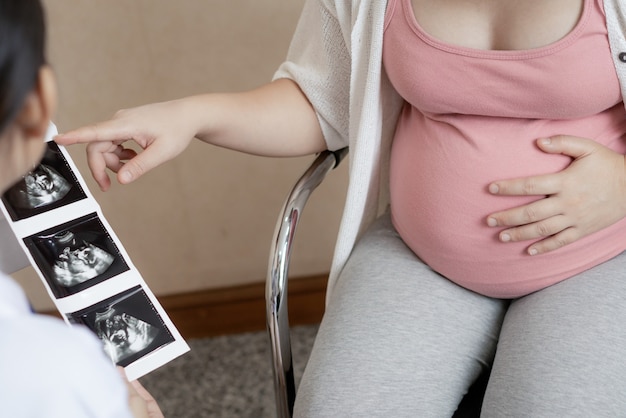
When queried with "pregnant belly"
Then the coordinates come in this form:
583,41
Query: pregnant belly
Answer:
439,204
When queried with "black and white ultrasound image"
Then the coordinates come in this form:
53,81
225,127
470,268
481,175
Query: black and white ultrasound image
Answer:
76,255
49,185
127,324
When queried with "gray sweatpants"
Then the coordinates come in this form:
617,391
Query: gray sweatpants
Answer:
399,340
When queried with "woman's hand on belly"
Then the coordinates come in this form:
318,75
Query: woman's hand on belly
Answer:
587,196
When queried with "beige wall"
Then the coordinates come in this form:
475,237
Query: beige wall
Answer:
204,220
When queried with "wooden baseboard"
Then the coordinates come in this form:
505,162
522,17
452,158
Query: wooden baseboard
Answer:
242,309
238,309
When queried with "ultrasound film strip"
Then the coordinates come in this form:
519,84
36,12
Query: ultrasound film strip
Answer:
84,266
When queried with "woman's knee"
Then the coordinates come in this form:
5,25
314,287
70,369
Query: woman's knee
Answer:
561,351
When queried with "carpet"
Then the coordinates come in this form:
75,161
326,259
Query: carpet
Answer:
228,376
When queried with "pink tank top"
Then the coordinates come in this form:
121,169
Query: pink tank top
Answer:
472,117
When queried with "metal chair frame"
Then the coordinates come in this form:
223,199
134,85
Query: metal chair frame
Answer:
276,284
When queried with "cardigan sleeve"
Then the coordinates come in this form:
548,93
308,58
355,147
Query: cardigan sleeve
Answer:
319,61
615,11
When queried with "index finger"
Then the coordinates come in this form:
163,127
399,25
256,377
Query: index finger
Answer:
110,130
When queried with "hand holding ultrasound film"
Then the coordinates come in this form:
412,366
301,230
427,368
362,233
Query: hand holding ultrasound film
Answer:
84,266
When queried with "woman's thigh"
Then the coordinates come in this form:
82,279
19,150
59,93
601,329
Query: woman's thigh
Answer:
397,339
562,350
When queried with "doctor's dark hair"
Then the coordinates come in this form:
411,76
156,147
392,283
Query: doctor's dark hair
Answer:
22,54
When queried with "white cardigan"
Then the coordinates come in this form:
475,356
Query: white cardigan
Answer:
336,59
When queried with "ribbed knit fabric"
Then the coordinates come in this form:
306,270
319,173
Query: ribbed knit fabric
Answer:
472,117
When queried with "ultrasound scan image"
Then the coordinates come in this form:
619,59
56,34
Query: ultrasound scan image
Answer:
76,255
127,324
49,185
40,187
79,260
122,334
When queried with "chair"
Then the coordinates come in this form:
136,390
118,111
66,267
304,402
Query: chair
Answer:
276,283
276,292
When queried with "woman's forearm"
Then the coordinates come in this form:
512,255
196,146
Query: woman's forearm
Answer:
273,120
